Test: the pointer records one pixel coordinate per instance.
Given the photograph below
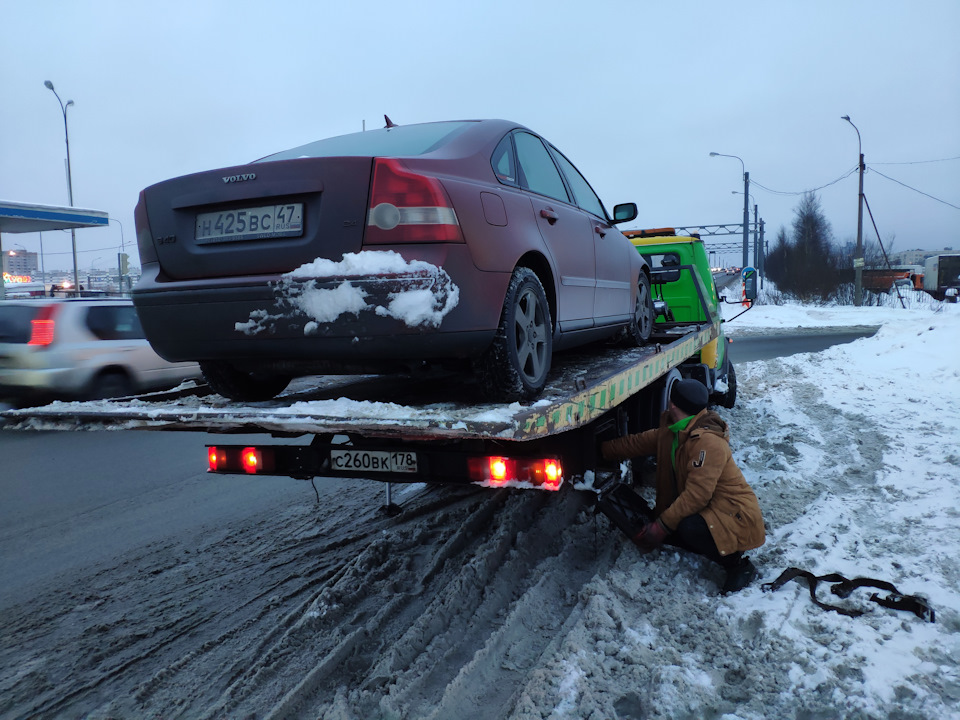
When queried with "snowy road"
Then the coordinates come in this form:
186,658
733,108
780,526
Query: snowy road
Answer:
522,605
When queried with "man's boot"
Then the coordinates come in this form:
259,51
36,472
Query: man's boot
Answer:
739,576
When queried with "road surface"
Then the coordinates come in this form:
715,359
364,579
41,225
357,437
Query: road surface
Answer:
136,585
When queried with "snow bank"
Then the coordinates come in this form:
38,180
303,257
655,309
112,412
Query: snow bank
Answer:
854,455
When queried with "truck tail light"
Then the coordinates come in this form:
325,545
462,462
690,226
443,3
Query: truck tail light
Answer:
42,327
407,207
252,460
215,458
235,460
499,471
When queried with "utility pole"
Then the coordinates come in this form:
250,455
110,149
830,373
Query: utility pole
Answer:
746,219
746,207
858,255
762,265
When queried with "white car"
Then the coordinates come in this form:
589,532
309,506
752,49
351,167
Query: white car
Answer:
53,348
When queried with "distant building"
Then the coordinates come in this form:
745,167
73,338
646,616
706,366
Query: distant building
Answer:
20,262
915,257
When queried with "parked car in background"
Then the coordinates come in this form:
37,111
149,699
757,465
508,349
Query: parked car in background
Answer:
53,348
471,243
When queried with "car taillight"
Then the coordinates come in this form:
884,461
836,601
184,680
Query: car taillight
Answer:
498,471
42,326
408,207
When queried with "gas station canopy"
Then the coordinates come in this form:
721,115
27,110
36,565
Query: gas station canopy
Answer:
26,217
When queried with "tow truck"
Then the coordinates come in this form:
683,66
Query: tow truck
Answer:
431,429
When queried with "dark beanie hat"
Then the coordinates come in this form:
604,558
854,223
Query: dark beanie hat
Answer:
691,396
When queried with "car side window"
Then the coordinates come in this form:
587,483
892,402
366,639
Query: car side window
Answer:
504,162
540,174
114,322
583,194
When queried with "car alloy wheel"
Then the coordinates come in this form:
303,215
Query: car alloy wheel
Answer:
110,384
517,363
644,314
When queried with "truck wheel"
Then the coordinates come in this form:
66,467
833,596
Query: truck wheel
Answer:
516,364
239,385
641,326
729,398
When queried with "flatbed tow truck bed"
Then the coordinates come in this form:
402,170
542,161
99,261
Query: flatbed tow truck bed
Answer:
583,386
429,429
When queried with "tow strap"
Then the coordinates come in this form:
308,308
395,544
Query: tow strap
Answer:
843,587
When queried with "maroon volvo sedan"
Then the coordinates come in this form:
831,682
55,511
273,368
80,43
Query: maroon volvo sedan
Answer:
470,243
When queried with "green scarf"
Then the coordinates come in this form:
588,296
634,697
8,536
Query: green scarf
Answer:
678,427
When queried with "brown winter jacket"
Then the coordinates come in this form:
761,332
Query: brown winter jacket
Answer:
708,480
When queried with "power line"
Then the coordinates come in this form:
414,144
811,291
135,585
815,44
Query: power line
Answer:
804,192
919,162
917,191
70,252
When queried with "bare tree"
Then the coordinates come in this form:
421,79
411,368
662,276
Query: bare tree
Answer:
806,265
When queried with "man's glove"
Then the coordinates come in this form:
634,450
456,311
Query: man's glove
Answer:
651,536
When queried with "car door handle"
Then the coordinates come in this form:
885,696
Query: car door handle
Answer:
550,216
600,231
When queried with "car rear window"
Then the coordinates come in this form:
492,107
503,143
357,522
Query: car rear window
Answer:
15,322
403,140
114,322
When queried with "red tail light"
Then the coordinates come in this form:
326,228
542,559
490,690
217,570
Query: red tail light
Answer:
252,459
233,459
42,326
408,207
214,458
498,471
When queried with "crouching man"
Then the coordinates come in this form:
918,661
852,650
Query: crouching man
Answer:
704,504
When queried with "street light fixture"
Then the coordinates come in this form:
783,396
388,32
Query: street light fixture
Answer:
73,233
858,256
746,205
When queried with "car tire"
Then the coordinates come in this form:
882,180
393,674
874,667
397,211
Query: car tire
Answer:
516,365
234,384
640,328
110,384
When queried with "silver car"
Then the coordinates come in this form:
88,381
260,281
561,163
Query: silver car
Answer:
53,348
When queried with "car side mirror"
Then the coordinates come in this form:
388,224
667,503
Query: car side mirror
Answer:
624,212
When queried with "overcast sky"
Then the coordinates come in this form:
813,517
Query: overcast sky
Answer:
636,93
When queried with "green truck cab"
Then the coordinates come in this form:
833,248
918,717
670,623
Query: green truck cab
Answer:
684,292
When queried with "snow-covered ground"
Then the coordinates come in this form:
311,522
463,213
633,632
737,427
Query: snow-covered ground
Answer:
854,453
526,605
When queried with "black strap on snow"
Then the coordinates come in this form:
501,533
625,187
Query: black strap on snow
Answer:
844,587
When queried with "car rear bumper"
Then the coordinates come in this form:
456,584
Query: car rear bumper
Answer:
268,319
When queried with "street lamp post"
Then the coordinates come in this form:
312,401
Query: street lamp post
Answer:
746,205
120,257
73,233
756,230
43,269
858,256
